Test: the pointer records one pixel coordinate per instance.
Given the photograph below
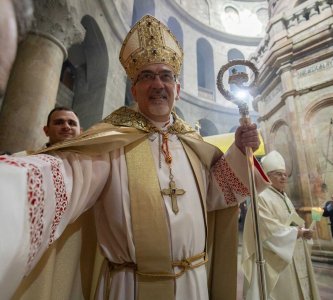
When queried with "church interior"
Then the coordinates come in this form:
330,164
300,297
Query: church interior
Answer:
70,57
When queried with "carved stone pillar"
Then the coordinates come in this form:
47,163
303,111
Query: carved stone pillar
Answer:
33,84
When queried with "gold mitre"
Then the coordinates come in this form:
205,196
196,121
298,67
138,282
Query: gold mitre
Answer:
150,42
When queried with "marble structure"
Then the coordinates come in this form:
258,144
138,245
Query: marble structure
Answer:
295,99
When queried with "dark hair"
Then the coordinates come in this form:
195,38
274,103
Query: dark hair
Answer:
59,108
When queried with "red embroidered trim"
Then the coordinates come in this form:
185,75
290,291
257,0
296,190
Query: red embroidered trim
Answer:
228,182
61,197
36,203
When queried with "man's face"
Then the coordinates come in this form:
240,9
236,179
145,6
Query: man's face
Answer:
63,125
155,95
8,41
279,179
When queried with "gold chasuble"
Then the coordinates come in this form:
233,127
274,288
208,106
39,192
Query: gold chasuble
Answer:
155,275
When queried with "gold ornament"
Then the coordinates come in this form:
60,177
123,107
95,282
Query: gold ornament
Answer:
150,42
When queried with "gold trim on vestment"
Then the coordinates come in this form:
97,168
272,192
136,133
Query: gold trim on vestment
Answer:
127,117
149,224
150,42
117,130
185,264
128,128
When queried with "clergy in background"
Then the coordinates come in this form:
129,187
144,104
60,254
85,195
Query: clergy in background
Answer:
288,266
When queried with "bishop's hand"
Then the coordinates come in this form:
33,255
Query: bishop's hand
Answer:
247,136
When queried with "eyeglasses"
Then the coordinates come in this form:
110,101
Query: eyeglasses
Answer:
279,174
165,76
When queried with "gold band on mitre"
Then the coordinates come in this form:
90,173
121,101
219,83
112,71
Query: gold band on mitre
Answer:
150,42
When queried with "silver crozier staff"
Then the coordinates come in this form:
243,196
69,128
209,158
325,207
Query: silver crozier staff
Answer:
239,78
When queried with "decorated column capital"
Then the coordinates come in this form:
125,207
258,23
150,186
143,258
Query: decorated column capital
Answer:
58,20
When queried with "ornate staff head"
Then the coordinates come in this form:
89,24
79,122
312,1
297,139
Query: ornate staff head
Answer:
239,79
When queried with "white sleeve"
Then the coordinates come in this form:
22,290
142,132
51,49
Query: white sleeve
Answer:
229,183
40,196
14,240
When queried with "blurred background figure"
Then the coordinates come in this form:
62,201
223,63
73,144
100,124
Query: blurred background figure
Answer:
288,266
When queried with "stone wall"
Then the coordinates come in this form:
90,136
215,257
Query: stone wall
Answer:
295,100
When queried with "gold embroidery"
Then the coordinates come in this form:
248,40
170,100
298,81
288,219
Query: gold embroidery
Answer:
149,42
127,117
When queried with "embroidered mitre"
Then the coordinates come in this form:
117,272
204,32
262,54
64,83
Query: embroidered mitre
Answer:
150,42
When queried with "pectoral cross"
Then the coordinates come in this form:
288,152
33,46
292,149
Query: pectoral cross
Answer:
172,191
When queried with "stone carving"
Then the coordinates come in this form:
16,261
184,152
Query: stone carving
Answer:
60,19
317,67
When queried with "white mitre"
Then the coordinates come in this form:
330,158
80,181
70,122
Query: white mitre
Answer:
273,161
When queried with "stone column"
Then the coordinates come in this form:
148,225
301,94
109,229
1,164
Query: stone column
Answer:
31,93
33,84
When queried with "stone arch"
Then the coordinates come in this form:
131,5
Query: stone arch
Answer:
325,101
230,16
207,127
318,125
141,8
205,67
91,62
235,54
281,140
232,55
262,14
177,30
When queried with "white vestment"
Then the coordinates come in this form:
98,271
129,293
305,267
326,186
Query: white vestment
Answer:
42,194
288,267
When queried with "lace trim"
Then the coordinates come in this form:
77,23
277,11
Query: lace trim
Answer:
228,182
61,197
36,203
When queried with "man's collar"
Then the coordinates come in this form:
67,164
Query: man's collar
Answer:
127,117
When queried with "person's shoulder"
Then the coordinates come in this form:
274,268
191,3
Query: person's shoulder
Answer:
266,193
266,196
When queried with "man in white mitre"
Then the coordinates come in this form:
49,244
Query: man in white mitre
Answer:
288,266
151,179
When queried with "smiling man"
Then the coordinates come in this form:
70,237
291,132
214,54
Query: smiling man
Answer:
151,179
62,124
155,90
